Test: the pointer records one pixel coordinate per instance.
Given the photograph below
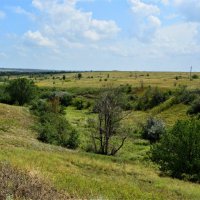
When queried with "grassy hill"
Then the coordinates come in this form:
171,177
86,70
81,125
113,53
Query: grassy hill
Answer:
85,175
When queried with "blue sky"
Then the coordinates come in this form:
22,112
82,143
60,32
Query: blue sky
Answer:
151,35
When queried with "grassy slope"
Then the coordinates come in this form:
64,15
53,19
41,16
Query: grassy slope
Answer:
80,174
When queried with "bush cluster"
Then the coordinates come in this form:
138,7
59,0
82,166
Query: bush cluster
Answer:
194,107
53,127
151,98
18,91
178,152
183,95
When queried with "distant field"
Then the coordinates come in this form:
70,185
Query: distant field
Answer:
101,79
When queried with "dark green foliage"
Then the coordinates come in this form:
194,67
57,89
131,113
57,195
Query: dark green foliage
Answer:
4,96
55,129
195,107
153,130
39,107
151,98
79,76
127,89
73,139
78,103
195,76
183,95
66,99
178,152
21,91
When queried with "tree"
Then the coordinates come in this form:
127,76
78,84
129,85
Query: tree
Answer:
21,90
178,152
107,127
79,76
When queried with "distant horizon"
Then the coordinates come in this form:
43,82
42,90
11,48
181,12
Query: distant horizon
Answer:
64,70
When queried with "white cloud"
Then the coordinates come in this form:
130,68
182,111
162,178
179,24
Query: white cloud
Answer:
190,9
144,9
20,10
39,39
63,19
146,20
2,15
165,2
154,21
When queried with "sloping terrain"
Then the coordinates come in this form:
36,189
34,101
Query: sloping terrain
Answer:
78,174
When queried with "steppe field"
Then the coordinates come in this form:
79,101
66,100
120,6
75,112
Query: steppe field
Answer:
81,174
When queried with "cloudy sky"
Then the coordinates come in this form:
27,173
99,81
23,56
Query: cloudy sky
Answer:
155,35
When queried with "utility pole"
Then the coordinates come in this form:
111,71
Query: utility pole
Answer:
190,73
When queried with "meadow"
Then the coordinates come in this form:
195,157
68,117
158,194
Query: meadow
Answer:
85,175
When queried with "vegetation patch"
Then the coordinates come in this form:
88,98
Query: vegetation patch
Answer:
16,184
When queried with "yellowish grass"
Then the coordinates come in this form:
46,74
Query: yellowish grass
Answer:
155,79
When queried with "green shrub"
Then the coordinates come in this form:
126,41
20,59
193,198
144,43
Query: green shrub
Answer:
78,103
66,99
4,96
21,90
55,129
195,107
195,76
183,95
152,130
178,152
151,98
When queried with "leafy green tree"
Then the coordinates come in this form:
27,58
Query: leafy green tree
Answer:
178,152
21,90
79,76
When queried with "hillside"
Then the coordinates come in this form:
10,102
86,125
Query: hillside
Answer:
82,175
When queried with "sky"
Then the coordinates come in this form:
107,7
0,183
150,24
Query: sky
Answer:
127,35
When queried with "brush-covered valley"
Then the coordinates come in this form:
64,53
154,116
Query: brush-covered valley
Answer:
99,135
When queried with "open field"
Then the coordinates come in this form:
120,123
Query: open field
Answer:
82,175
101,79
136,79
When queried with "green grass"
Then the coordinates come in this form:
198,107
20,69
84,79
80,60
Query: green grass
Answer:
128,175
155,79
159,79
86,175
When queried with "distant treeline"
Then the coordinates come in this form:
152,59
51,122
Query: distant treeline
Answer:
33,72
